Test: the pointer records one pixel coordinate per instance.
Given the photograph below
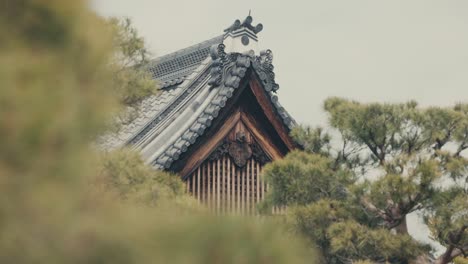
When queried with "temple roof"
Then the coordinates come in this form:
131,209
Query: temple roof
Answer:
196,82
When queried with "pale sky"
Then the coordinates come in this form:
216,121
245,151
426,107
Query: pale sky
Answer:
367,50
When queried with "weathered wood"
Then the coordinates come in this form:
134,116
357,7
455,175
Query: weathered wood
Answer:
218,190
210,180
228,184
270,111
238,194
205,183
257,173
247,193
265,142
193,185
221,184
253,187
198,185
202,153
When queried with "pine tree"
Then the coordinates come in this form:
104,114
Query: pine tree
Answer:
399,159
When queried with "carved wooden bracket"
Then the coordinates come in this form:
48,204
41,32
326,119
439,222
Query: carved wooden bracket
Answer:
240,151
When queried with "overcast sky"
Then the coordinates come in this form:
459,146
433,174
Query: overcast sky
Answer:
367,50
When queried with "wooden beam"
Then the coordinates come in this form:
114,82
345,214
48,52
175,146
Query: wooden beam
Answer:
202,153
261,137
270,111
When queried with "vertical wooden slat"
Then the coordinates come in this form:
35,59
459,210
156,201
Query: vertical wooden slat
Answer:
204,177
213,186
193,184
198,185
257,173
263,187
237,171
218,176
233,186
223,184
208,200
247,191
243,191
224,194
253,187
228,185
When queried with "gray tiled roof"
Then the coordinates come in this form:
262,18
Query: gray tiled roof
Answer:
171,69
195,87
231,68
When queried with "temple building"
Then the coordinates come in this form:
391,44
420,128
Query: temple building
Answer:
217,120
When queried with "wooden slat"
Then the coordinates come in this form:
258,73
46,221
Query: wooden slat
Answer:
248,174
193,184
257,173
229,184
223,185
238,193
263,187
205,181
208,200
198,185
218,194
243,189
253,187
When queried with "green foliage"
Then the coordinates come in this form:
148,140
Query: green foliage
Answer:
58,203
460,260
132,82
313,220
301,178
212,240
400,155
313,140
350,240
448,219
125,174
384,129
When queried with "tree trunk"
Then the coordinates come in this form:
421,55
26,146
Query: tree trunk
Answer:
402,228
450,253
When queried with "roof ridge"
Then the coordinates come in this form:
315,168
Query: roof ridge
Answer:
184,51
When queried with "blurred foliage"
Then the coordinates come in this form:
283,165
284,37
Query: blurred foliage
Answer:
124,175
395,159
460,260
60,201
132,81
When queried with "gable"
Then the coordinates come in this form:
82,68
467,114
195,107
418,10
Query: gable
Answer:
201,86
248,126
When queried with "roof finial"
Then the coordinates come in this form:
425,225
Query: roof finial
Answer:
247,23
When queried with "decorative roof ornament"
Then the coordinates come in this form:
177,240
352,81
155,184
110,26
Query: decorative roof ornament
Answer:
241,37
247,23
229,68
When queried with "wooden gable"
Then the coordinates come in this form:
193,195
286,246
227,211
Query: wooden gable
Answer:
222,170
